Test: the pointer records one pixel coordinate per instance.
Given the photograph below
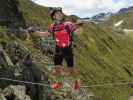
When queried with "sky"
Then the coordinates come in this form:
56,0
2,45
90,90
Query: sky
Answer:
86,8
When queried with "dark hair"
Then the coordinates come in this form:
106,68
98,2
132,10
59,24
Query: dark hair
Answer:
54,10
54,13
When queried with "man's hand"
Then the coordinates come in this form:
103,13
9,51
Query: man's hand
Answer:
32,29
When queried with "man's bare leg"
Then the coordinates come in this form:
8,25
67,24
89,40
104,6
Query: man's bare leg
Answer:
71,71
57,70
73,74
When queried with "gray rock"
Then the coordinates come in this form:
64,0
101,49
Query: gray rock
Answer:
131,98
10,14
18,91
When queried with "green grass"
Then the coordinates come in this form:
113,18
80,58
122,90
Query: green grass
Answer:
34,14
102,59
102,55
129,34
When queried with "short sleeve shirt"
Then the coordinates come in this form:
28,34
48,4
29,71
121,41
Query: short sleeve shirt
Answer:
71,27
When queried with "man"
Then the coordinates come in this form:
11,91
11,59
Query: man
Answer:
61,32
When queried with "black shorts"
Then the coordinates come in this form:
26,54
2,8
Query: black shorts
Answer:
64,53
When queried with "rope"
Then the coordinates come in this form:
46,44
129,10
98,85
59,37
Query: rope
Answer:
14,30
107,84
82,86
26,82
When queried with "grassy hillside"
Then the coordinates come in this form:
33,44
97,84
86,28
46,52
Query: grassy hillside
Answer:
102,56
105,57
34,14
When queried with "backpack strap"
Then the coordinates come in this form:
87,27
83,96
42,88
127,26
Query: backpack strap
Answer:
69,32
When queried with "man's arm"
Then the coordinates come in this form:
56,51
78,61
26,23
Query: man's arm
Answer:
41,34
34,31
78,31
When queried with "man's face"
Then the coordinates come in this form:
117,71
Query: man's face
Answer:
58,16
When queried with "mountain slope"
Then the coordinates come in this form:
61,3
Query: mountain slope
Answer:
126,16
34,14
125,10
105,57
101,55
